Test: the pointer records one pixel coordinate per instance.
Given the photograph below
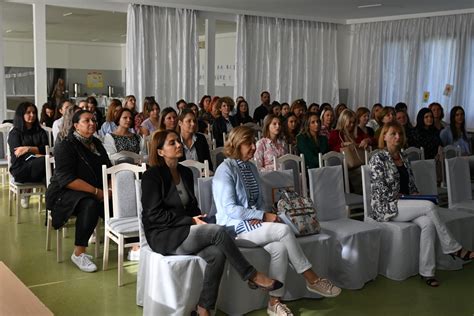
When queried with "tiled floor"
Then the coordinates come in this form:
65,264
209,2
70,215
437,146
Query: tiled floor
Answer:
68,291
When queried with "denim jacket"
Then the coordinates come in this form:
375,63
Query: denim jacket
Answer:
231,197
385,185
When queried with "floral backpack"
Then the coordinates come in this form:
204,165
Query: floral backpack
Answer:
298,212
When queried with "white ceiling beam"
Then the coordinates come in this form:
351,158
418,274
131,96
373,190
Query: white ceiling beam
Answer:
39,44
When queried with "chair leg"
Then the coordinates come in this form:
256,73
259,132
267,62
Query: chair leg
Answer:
59,245
97,242
17,208
120,260
48,231
105,256
10,202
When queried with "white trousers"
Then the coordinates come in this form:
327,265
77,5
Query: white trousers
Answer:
425,215
280,242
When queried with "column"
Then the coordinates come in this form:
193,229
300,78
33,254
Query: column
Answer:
210,56
3,98
39,43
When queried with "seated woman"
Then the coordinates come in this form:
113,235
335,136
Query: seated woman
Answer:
92,106
343,136
152,123
130,103
67,123
327,121
223,122
309,142
76,186
142,116
174,225
425,134
195,145
391,176
122,139
168,120
402,118
291,128
298,108
364,133
242,116
27,141
47,115
455,133
239,202
109,125
438,115
58,117
373,122
272,144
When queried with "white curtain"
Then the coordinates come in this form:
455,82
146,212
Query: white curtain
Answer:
289,58
162,54
398,61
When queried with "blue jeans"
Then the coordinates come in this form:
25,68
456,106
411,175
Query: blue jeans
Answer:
213,244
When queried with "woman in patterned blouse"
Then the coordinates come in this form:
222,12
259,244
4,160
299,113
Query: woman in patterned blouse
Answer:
391,177
271,145
122,139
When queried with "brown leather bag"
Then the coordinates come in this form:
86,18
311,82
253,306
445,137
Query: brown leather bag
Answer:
355,156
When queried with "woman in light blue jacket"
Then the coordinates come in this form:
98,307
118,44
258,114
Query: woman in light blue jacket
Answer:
239,202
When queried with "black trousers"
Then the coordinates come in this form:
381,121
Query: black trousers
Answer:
33,170
87,213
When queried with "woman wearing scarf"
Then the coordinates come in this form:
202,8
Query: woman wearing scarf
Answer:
425,134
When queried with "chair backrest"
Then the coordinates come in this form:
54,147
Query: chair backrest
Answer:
297,164
48,131
368,155
200,169
217,156
274,181
334,158
125,156
122,178
326,187
139,208
205,198
458,180
414,153
4,130
425,176
366,190
451,151
49,168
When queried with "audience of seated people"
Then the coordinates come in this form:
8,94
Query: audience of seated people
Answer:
75,188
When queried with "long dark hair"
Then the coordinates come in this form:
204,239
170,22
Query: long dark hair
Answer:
420,119
19,121
158,139
452,124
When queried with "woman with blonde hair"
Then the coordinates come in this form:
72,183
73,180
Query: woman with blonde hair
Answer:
238,197
310,142
272,144
174,225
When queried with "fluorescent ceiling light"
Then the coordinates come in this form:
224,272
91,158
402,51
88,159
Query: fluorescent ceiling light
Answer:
123,35
8,31
369,5
67,14
95,39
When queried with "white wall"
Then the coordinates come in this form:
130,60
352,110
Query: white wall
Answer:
69,55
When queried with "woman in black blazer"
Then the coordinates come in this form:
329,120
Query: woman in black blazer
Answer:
224,122
173,223
75,187
195,145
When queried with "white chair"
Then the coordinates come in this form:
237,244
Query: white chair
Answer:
459,184
126,157
334,158
49,132
217,156
368,155
297,164
123,223
356,257
199,170
4,130
458,222
166,285
400,241
61,232
414,153
449,151
19,190
274,181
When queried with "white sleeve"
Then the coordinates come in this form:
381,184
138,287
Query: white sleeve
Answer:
109,144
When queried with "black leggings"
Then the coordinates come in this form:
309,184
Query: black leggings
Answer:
87,213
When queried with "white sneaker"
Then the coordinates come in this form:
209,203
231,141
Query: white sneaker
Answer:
25,202
84,262
323,287
279,309
133,255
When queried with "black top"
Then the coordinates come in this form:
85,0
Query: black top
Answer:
33,137
260,113
404,180
426,138
219,127
165,220
202,150
73,161
242,119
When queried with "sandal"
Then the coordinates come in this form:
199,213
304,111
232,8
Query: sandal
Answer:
466,257
431,281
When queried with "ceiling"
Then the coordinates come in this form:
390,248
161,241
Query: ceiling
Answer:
110,22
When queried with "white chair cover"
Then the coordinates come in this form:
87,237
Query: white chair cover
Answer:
355,258
204,193
166,285
400,242
272,181
460,223
459,184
